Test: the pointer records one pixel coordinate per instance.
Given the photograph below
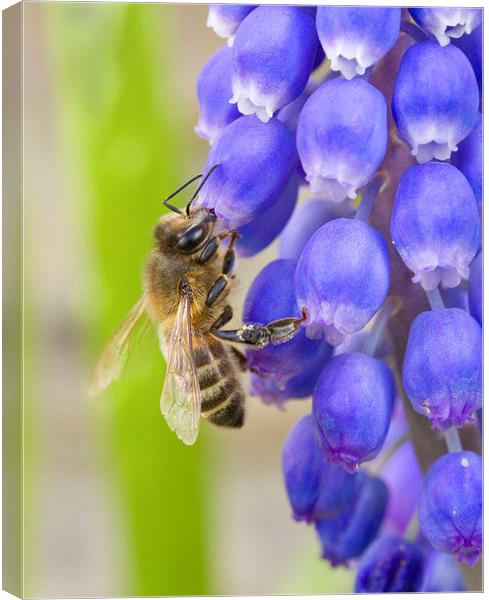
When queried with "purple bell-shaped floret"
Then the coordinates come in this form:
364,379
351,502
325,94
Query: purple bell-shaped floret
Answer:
447,23
435,101
213,92
237,189
450,506
435,224
355,38
390,564
348,535
270,297
225,19
342,136
442,368
342,278
352,408
273,53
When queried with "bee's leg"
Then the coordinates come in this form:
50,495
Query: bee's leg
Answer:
240,358
216,290
227,270
224,318
275,332
209,250
212,247
229,256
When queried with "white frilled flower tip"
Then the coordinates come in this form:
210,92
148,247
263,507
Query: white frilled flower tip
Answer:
334,189
455,26
349,58
222,28
449,277
446,24
432,140
251,101
433,149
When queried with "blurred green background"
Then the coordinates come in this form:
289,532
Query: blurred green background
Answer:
114,503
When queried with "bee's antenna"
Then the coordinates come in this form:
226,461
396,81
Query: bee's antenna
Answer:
208,174
177,191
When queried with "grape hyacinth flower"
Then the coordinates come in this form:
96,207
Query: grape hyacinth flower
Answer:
441,574
298,386
262,85
468,159
261,232
390,564
306,219
248,148
447,23
342,136
442,368
213,92
402,467
270,297
450,506
356,38
289,114
435,100
435,224
348,535
352,408
475,289
471,45
225,19
315,489
311,166
342,278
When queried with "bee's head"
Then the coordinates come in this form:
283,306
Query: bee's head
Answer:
185,234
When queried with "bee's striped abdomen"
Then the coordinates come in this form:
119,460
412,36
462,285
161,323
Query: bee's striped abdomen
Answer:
221,391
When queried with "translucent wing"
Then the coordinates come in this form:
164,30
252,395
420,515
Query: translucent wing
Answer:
180,400
114,355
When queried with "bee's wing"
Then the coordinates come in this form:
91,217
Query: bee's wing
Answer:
114,355
180,400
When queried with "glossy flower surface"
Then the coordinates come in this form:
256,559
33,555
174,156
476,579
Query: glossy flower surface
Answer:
261,232
442,367
225,19
342,136
390,564
355,38
471,45
315,489
213,92
441,574
267,78
348,535
475,289
468,159
270,297
435,100
402,467
352,407
447,23
307,219
342,278
450,506
247,148
435,224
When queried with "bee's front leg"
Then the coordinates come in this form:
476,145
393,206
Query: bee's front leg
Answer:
227,266
260,336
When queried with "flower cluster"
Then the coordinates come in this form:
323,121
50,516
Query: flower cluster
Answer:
370,213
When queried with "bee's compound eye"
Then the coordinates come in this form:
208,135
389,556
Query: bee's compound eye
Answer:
190,241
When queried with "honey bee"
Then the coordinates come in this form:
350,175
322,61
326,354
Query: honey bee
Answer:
187,281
